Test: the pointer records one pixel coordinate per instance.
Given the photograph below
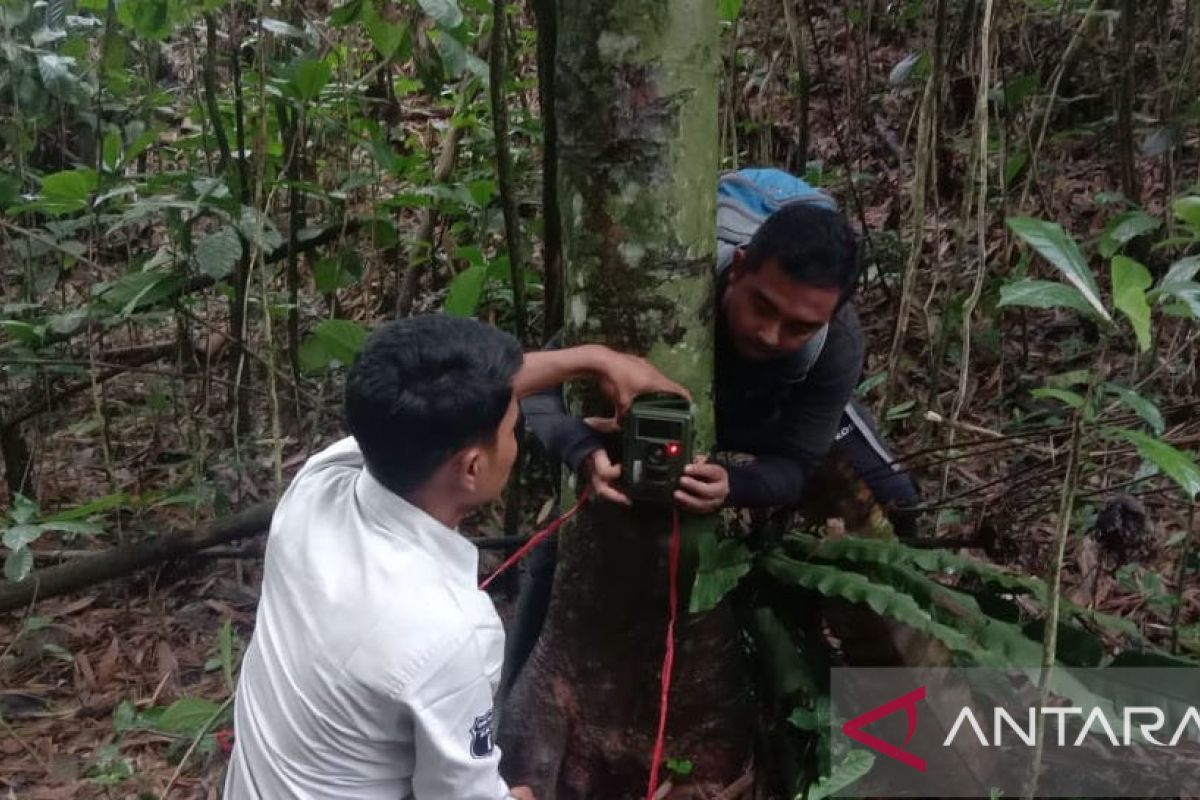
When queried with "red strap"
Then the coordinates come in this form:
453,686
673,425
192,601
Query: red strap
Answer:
669,653
536,539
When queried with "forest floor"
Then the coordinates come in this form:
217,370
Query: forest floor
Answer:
77,671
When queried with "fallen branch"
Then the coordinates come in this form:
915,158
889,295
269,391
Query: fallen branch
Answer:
129,558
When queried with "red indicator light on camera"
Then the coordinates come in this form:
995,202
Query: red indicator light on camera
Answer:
674,449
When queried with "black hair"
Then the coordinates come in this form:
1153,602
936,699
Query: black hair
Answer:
812,244
423,388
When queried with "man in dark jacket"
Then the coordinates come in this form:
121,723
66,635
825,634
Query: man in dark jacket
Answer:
789,354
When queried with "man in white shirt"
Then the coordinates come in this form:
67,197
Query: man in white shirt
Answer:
375,657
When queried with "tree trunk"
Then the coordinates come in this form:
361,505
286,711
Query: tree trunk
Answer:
637,133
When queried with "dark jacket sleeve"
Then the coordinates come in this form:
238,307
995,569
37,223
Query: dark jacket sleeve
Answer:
808,423
564,436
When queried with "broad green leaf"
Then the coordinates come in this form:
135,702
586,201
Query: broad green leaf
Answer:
1072,399
346,13
337,272
334,340
445,13
19,536
149,18
1188,210
1177,464
1188,295
1014,165
387,36
722,564
1053,243
1125,227
18,565
257,228
218,252
913,66
1130,281
465,291
22,331
310,77
729,9
24,509
66,192
139,289
111,151
1144,408
1044,294
452,53
10,190
1181,274
187,715
853,766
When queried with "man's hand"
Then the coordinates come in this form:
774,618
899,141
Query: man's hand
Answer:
623,377
703,487
521,793
602,476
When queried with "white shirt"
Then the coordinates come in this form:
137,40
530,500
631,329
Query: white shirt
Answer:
374,658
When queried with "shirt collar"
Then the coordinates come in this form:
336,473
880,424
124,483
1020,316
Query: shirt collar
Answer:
449,548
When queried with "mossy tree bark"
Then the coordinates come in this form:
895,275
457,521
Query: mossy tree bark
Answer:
636,87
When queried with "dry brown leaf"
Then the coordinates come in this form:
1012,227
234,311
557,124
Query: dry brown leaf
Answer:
106,670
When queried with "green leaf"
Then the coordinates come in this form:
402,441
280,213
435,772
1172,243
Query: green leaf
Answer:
387,36
1188,210
853,766
1014,165
75,527
149,18
465,291
22,331
333,340
722,564
1177,464
1144,408
256,227
218,252
1043,294
346,13
10,190
1053,243
310,77
225,646
111,151
1182,272
110,501
187,715
729,9
452,53
1125,227
337,272
445,13
19,536
1130,281
1072,399
18,565
138,289
66,192
24,509
1188,295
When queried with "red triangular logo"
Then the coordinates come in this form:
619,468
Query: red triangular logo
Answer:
853,728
